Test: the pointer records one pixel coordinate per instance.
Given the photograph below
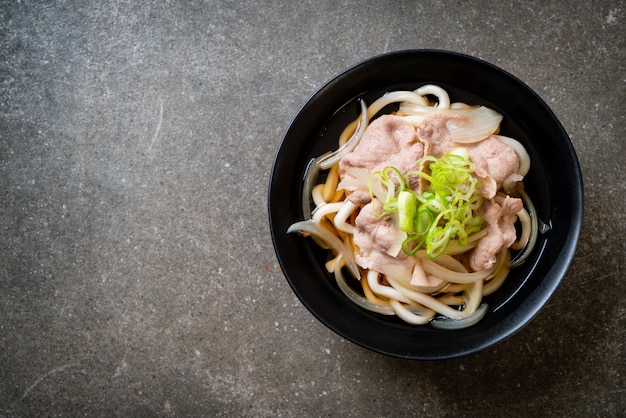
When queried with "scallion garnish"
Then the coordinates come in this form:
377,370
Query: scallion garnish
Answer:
444,211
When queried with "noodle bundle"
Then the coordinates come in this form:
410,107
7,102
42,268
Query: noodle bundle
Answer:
421,207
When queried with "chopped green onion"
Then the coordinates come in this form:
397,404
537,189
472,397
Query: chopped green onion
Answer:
441,213
407,207
424,220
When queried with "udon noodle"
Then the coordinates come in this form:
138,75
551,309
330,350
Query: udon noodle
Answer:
421,208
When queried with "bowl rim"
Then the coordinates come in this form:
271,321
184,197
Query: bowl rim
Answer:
546,288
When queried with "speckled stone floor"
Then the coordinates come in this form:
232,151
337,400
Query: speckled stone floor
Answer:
137,274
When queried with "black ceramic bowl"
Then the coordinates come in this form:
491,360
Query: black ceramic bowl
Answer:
554,183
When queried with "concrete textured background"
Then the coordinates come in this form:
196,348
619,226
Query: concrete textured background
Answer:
137,274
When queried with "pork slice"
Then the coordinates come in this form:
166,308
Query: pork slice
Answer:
374,235
387,141
434,133
422,279
500,225
493,160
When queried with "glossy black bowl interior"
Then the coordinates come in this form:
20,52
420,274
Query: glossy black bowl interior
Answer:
554,184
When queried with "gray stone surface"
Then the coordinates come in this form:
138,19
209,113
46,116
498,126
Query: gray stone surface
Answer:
137,274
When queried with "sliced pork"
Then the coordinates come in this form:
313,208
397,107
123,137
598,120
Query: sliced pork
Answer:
387,141
499,222
493,160
374,235
390,141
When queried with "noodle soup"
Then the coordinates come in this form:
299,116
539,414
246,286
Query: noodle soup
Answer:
421,207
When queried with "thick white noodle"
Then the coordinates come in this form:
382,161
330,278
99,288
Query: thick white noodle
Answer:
442,96
425,300
381,290
452,276
325,209
394,97
414,317
459,105
343,215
